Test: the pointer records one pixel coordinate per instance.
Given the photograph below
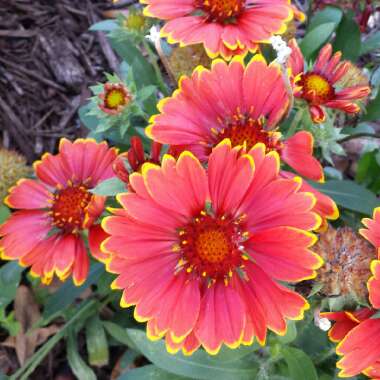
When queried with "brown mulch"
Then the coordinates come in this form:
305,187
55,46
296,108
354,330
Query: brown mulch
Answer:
48,58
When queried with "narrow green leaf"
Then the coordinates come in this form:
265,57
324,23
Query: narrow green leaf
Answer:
96,340
110,187
120,334
150,372
68,292
370,44
349,195
200,365
299,364
316,38
77,364
349,46
10,275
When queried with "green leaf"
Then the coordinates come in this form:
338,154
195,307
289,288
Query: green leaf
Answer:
4,213
349,195
327,15
316,38
200,365
10,275
68,292
291,333
368,170
349,46
105,26
77,364
299,364
142,69
96,340
110,187
373,109
371,43
150,372
120,334
89,121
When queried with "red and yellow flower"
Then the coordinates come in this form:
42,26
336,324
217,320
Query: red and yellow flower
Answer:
244,104
318,86
135,157
200,253
359,332
225,27
345,321
45,232
114,98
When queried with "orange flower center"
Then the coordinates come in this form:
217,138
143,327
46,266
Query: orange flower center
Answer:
242,129
212,244
212,247
115,98
316,89
223,11
69,208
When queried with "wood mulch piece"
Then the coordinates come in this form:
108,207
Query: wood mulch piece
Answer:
48,58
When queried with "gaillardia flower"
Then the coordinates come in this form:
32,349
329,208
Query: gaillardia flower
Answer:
345,321
201,253
135,157
359,342
319,86
52,211
242,103
226,27
114,98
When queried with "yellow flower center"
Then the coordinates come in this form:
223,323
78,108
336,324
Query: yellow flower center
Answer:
222,11
115,98
316,88
244,130
212,247
135,21
69,207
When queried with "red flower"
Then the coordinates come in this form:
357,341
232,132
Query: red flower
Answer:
345,321
201,253
241,103
53,210
319,87
135,158
114,98
359,339
226,27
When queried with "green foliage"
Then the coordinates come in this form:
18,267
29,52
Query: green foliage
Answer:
350,47
110,187
349,195
299,364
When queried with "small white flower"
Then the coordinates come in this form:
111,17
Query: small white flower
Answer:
154,34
